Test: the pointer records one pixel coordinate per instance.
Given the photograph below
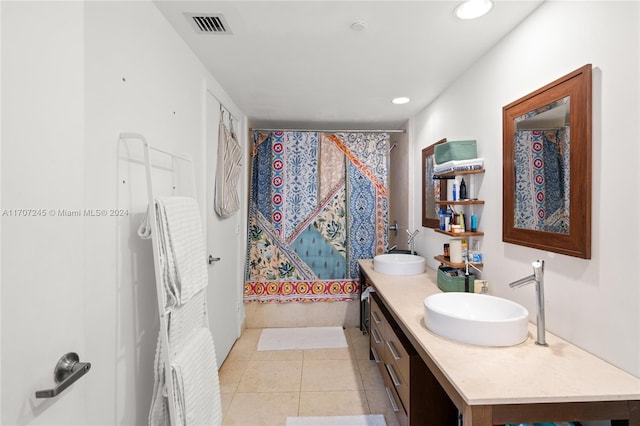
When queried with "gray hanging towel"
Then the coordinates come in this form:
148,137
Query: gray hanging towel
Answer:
226,200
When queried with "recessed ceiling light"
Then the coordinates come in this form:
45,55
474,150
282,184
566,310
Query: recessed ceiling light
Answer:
401,100
359,26
472,9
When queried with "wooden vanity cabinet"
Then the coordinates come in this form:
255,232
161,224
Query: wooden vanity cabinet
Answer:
415,394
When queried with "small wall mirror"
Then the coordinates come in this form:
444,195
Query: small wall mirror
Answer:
547,167
431,189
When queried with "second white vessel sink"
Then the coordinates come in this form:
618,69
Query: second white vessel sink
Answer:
399,264
477,319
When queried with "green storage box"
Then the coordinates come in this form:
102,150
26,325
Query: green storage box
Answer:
455,150
448,283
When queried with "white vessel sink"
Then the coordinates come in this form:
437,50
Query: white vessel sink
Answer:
477,319
398,264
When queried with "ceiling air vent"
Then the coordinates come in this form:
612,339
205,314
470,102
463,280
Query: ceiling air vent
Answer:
208,23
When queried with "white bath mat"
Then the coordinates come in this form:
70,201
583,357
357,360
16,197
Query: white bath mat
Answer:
369,420
280,339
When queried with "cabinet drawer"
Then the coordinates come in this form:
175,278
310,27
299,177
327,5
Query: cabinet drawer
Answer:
397,353
377,317
377,344
394,399
399,383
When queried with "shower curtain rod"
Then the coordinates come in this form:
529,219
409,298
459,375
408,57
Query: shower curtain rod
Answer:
329,130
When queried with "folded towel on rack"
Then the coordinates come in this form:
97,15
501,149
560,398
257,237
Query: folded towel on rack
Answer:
195,380
183,320
458,165
182,248
196,386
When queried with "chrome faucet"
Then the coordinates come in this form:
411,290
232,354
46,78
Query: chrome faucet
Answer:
410,242
538,278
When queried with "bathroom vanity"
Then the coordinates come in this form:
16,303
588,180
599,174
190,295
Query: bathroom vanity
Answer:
488,385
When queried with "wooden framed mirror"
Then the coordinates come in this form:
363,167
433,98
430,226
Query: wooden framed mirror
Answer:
547,167
431,189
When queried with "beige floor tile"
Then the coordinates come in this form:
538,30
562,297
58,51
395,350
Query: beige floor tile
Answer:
330,375
379,404
292,355
361,347
337,353
225,402
230,374
271,376
246,344
333,403
261,409
358,342
354,333
370,374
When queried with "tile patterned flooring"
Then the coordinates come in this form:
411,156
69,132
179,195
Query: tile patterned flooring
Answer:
263,388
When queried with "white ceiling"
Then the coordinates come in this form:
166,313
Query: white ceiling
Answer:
298,64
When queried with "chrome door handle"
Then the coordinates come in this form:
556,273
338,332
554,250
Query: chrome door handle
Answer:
212,260
67,371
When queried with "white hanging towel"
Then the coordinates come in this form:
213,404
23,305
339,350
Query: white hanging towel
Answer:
226,200
184,320
196,384
182,248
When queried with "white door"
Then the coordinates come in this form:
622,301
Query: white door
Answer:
43,288
223,239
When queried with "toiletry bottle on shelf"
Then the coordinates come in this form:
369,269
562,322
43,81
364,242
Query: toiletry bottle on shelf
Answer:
454,192
461,222
448,219
442,223
463,190
465,249
475,255
474,223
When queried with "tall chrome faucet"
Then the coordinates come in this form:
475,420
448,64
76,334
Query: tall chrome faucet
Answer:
412,236
538,278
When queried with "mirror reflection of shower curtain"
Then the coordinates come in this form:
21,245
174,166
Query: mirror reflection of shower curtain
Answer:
542,180
318,204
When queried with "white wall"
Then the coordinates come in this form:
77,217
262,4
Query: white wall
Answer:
595,303
117,67
140,77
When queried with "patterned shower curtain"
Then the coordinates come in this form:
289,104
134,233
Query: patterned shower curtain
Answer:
541,170
318,204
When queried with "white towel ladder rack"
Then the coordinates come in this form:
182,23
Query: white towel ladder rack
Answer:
163,311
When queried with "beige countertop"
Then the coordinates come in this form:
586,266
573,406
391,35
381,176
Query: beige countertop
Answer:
521,374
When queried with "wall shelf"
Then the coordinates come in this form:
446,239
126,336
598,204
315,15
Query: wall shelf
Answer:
460,234
459,202
462,204
447,262
450,175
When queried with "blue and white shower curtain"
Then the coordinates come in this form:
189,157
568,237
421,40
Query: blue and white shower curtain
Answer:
542,180
318,204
